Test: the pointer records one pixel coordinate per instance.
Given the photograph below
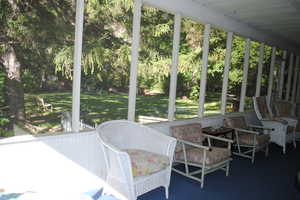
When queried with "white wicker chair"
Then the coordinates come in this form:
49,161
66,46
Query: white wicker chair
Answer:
283,128
288,109
121,134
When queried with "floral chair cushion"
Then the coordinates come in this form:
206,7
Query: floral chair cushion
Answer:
188,132
196,155
248,139
284,108
145,163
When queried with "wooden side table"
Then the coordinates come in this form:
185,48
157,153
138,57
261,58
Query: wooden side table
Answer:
222,131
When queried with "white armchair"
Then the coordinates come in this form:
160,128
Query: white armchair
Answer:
283,128
120,138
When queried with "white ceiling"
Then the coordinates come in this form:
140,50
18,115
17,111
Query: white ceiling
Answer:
275,22
278,17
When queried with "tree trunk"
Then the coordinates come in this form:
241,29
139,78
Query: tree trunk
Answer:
14,87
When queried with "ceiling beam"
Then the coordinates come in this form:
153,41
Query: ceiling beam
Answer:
204,14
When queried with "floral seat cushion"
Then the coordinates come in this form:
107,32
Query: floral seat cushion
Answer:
248,139
213,156
145,163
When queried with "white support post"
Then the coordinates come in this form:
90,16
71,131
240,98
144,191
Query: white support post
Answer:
174,69
281,78
77,66
271,75
259,71
134,58
245,74
204,70
298,88
295,80
289,81
226,72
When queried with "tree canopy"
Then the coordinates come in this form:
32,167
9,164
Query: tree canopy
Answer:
41,35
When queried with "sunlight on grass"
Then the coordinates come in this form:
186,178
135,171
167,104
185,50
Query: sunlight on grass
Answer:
96,109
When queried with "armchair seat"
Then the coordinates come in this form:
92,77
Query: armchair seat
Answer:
213,155
145,162
260,140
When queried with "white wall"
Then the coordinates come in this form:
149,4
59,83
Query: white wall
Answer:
67,163
164,127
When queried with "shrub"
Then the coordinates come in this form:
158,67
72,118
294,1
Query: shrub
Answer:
186,86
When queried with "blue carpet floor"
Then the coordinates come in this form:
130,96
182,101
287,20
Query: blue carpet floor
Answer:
270,177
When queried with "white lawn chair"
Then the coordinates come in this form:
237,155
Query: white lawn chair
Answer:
42,105
122,141
283,128
288,109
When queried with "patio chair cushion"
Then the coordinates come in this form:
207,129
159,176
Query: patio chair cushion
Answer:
284,108
188,132
213,156
145,163
247,139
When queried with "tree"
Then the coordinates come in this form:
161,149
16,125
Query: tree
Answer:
31,30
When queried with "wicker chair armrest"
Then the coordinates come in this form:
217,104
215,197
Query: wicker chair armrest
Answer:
157,142
272,121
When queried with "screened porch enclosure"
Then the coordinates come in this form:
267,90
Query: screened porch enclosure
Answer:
270,24
251,20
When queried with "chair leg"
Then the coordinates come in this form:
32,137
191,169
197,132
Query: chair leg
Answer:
202,175
267,150
238,143
283,149
167,192
294,138
227,168
253,155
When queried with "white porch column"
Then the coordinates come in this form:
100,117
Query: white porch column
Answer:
289,81
281,77
175,55
271,75
295,79
297,100
77,66
245,74
204,70
259,71
226,72
134,58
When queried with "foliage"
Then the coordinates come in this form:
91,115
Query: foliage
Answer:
43,34
107,42
4,118
185,86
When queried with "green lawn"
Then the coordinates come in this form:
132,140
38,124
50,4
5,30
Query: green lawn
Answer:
97,108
